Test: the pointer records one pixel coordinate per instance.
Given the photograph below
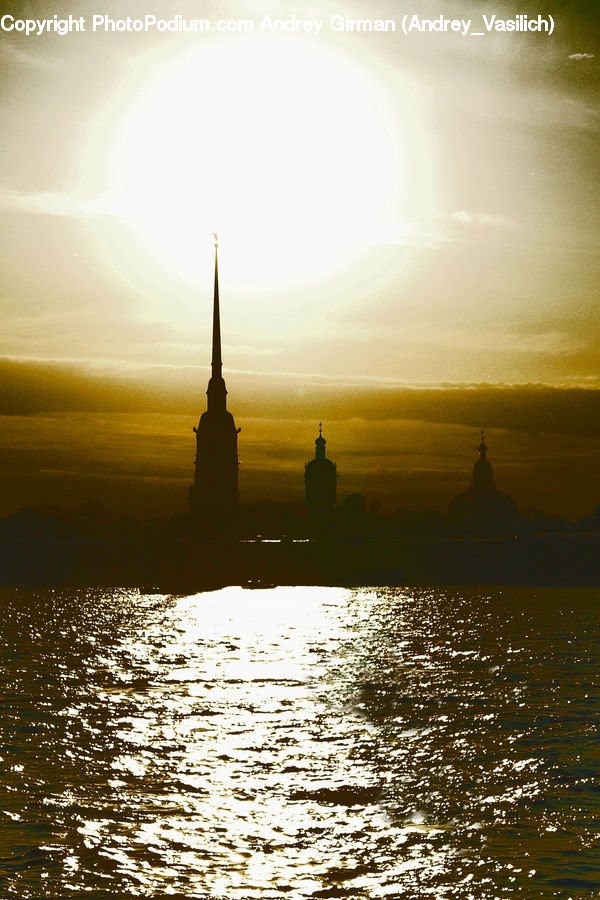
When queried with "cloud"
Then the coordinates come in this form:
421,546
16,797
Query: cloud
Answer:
506,341
49,203
36,60
464,217
579,56
35,388
410,233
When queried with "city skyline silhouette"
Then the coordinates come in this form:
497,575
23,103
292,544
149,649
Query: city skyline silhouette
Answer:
481,511
408,260
300,525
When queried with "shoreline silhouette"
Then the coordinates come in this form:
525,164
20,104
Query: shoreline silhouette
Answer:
481,539
179,562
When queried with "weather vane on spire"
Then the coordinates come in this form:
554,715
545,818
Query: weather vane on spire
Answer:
216,237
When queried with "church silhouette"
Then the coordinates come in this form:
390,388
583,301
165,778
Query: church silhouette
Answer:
213,497
483,510
320,477
311,543
480,511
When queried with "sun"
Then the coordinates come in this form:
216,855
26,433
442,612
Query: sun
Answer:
281,147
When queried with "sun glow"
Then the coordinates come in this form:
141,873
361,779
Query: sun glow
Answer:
280,147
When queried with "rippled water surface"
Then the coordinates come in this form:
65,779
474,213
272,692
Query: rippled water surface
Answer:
301,742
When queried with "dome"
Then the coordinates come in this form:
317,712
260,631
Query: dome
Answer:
483,509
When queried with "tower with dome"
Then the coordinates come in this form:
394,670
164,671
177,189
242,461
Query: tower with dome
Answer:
483,510
320,478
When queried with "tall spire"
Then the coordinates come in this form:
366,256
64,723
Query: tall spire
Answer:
216,392
217,362
214,493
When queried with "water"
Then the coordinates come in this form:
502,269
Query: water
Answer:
300,742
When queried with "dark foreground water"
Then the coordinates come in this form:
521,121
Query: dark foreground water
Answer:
300,742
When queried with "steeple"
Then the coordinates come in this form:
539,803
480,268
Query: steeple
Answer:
217,362
216,392
214,493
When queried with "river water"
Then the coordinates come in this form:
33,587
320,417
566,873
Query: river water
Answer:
300,742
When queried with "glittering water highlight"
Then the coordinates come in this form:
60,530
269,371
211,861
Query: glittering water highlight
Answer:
301,742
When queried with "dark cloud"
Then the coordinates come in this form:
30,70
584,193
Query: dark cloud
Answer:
32,388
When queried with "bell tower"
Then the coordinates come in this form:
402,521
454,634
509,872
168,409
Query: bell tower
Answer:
320,476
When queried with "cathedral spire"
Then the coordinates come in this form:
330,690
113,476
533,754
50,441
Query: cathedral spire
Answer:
216,392
214,493
217,362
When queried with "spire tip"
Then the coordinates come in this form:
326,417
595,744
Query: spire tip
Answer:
482,447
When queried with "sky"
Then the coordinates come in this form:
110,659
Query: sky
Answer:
408,249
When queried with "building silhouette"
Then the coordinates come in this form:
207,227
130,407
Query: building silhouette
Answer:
213,496
483,510
320,477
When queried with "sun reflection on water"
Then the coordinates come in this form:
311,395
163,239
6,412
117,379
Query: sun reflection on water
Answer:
232,727
318,742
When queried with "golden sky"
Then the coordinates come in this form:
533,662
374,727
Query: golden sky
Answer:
397,213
